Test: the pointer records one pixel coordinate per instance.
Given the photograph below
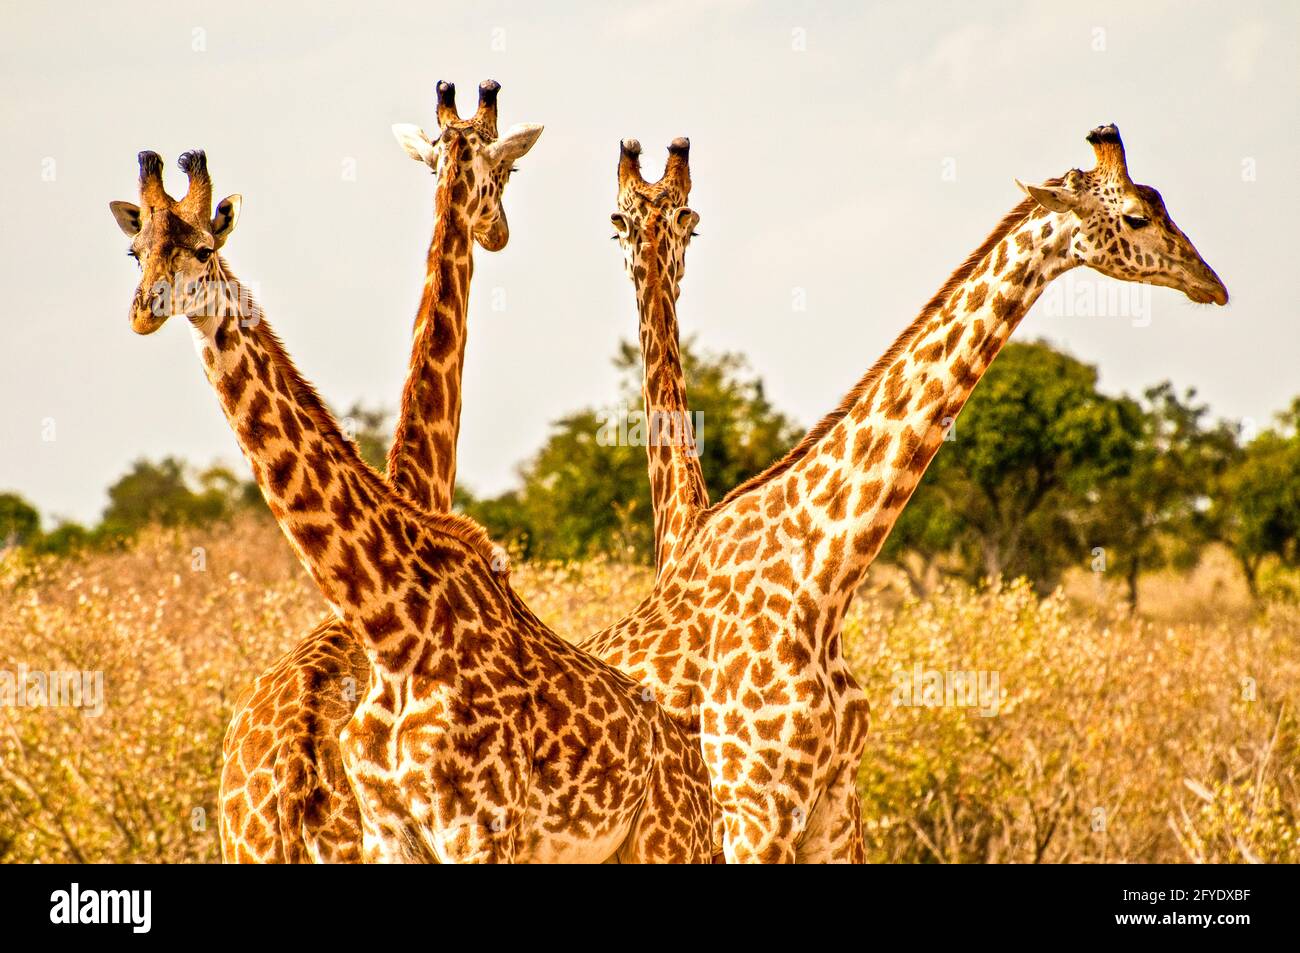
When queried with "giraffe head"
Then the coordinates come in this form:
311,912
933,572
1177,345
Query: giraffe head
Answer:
1123,229
653,222
174,241
469,151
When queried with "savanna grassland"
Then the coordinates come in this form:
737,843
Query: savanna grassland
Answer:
1171,737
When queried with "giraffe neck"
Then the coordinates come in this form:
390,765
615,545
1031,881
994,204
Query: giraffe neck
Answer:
422,460
677,489
380,562
839,493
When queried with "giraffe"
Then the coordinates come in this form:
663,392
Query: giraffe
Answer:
740,639
290,723
283,793
484,737
654,225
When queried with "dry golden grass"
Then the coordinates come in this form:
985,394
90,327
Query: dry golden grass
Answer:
1116,740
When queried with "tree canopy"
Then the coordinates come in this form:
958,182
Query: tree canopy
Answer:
581,495
1034,440
19,520
1256,500
1040,472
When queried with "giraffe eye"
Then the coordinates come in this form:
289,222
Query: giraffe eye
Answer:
1136,221
203,254
131,252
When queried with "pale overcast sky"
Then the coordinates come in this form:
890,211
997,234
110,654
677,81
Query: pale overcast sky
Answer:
847,156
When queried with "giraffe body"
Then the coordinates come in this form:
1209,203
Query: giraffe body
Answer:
285,797
740,640
283,794
691,638
741,637
484,736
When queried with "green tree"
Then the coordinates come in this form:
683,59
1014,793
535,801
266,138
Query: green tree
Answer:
239,494
580,496
728,404
20,522
924,540
1256,509
1154,514
162,493
1003,495
370,427
64,539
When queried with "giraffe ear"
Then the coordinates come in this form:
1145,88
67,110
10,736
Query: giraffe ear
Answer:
684,220
1051,197
128,217
225,217
417,145
516,142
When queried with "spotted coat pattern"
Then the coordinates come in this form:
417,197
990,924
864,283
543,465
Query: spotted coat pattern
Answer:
283,794
741,638
484,737
653,226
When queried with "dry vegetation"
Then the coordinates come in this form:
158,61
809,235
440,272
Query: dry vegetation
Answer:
1170,738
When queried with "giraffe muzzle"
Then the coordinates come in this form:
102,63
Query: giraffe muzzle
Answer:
1207,287
144,321
149,310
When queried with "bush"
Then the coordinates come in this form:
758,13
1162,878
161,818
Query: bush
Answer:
1154,726
1115,739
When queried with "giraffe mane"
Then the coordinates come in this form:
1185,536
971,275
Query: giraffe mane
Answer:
824,426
